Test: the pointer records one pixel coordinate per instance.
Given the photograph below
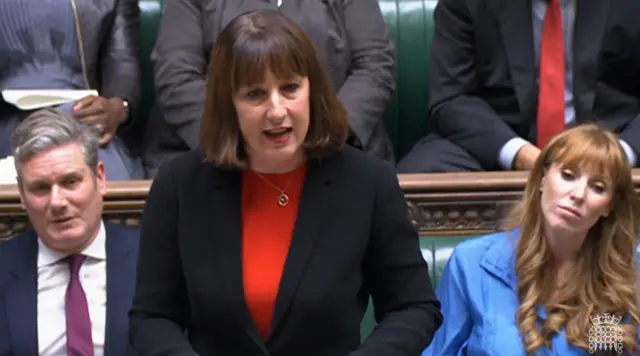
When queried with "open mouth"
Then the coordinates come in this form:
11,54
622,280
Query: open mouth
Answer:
279,134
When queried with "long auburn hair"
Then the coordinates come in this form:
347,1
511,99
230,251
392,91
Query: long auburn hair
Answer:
604,278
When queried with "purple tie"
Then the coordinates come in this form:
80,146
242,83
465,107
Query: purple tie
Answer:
79,341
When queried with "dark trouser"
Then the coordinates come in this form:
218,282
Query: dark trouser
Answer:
435,154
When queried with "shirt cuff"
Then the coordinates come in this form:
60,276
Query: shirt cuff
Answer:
631,155
509,150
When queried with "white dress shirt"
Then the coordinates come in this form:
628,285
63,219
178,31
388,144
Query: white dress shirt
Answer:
53,278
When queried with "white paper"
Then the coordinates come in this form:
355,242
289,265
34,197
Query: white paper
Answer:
8,172
31,99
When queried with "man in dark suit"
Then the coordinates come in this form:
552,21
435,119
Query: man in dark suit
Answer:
507,75
66,286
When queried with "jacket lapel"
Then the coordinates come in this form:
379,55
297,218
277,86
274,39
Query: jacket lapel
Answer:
311,217
224,203
121,265
516,27
590,24
227,220
22,297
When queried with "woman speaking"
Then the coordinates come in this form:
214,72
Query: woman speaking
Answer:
271,237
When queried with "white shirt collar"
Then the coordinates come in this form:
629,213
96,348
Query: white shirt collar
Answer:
96,250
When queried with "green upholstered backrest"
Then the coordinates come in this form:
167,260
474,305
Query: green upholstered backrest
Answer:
410,25
150,15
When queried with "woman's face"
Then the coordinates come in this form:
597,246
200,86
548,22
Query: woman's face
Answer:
573,199
274,119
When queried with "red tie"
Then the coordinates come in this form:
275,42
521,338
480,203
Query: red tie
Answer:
551,95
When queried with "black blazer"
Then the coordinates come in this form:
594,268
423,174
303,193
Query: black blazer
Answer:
483,86
110,45
352,238
109,36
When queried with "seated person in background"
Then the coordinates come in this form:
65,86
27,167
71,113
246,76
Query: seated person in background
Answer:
71,44
507,75
569,254
66,286
350,37
274,182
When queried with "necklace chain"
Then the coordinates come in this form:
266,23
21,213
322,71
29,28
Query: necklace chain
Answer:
283,198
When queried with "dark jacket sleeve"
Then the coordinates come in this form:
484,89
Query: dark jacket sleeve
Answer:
160,311
119,55
455,110
180,65
627,79
397,276
630,134
371,81
5,342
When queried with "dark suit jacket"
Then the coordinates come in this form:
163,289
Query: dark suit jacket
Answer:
483,77
109,37
19,284
350,37
352,238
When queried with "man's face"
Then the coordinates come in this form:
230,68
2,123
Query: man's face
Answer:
62,197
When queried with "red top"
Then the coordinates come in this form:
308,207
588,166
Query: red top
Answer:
267,229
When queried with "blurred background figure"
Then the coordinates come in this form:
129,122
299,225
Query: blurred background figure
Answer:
76,45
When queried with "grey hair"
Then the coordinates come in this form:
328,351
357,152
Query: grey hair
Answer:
48,128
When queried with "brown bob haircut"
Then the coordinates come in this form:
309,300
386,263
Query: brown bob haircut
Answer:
251,45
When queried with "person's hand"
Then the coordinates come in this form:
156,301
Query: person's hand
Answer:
526,157
105,114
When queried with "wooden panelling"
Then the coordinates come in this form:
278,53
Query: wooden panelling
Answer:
445,204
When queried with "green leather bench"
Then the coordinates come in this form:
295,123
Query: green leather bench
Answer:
410,24
410,27
150,15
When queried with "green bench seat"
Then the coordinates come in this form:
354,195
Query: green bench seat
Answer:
436,251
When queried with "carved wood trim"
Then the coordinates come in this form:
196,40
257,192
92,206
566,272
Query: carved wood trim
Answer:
455,204
443,204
